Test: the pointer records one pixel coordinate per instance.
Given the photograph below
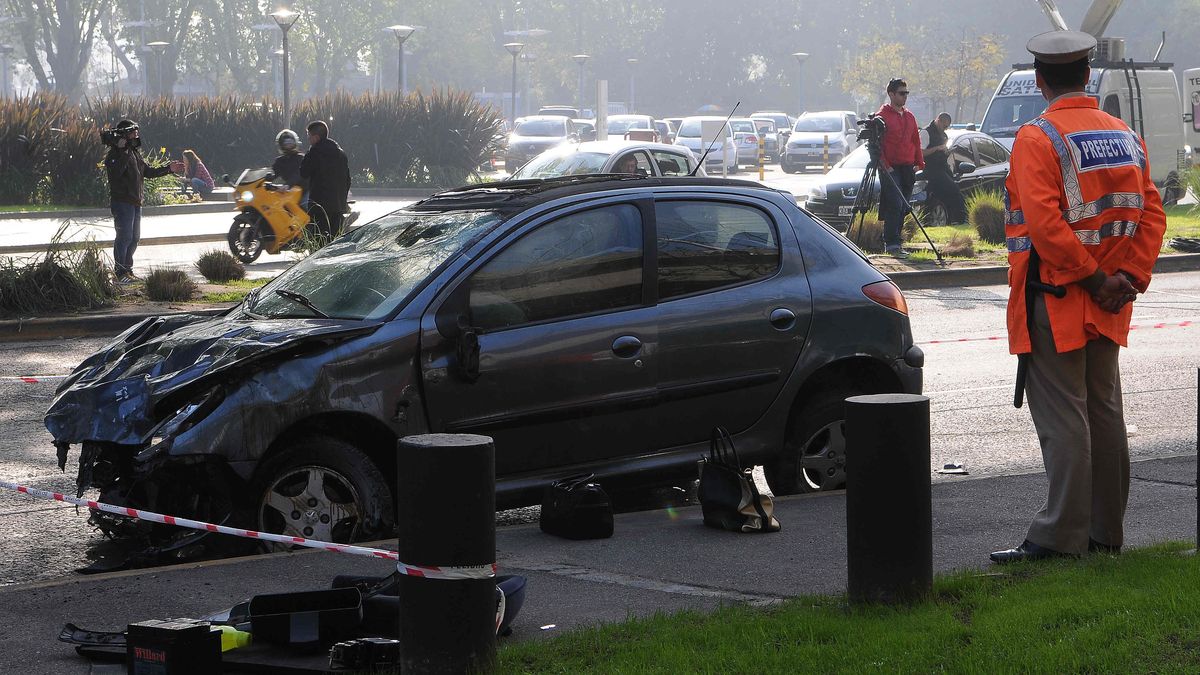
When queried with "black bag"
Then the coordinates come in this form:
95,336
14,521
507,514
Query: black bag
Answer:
729,499
576,508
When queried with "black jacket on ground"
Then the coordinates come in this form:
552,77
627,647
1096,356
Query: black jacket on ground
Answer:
328,173
287,169
127,172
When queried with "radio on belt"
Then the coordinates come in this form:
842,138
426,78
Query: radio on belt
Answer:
173,647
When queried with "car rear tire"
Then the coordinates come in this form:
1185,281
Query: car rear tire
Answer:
813,458
934,214
787,168
326,489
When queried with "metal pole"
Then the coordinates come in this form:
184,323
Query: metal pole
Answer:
579,104
446,625
889,521
400,70
513,121
287,101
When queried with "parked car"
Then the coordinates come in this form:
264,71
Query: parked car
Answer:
527,311
674,122
783,124
586,129
977,161
534,135
653,159
721,148
665,133
767,132
493,159
806,144
618,125
745,139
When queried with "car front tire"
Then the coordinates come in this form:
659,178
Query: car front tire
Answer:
326,489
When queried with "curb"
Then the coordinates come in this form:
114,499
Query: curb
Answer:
170,209
107,243
84,325
403,193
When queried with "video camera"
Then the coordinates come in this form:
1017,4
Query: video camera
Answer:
110,137
873,129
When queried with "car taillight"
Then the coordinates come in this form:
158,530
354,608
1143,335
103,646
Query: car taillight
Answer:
751,139
887,294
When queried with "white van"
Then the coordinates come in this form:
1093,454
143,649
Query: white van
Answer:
1144,95
1191,99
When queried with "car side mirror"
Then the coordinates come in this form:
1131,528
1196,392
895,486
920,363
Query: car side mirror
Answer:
964,168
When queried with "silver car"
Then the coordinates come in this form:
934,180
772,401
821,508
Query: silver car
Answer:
535,134
721,147
629,157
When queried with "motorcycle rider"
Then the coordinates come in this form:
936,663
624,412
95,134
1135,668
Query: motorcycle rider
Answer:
287,165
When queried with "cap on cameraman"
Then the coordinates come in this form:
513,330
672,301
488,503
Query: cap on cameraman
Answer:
1061,46
126,125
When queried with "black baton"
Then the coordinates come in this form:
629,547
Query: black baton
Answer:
1031,287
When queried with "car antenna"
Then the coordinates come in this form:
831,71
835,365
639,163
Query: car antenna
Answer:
708,148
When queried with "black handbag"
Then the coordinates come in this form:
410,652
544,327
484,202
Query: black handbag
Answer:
577,508
729,499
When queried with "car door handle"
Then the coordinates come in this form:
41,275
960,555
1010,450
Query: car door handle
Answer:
626,346
783,318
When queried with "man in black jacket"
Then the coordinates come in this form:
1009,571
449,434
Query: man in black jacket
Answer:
127,171
328,173
941,183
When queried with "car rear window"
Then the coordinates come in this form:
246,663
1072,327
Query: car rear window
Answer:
820,123
706,245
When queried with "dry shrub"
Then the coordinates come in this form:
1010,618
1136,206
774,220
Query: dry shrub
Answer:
169,285
960,246
218,266
868,234
985,211
61,280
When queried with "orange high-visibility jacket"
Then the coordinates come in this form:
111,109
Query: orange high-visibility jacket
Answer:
1080,194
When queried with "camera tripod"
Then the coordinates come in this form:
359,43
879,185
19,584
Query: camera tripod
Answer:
865,199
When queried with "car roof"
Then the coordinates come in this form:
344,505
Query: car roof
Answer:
518,195
614,146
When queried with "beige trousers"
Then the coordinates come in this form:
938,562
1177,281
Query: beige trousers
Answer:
1075,401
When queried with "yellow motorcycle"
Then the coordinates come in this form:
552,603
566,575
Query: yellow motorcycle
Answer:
269,215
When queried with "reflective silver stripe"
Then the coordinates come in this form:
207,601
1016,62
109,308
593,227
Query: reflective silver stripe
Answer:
1014,217
1115,200
1018,244
1117,228
1065,162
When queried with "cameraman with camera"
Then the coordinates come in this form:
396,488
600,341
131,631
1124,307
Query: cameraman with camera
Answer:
901,157
127,172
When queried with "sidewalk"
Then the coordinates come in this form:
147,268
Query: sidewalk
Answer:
656,562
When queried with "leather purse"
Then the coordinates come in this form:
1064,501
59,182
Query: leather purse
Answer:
577,508
729,499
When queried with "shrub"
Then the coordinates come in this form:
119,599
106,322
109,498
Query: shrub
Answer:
960,246
217,265
868,234
169,285
57,281
985,211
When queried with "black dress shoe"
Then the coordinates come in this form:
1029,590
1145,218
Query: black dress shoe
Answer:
1096,547
1026,551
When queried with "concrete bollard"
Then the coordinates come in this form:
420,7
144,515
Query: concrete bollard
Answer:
762,155
889,521
446,518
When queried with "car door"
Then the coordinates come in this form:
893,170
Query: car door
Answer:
567,342
963,151
734,309
993,165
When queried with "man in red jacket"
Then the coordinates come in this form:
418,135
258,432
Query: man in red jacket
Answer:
901,158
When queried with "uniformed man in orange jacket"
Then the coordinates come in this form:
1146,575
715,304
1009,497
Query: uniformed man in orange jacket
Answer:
1084,225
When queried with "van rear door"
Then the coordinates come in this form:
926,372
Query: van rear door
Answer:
1191,103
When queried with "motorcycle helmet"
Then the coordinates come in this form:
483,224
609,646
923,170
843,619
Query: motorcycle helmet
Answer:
287,140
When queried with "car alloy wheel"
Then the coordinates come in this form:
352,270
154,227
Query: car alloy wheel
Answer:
813,458
934,214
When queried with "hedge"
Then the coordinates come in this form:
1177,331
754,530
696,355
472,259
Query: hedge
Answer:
50,150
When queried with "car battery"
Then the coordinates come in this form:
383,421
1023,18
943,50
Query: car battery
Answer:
172,647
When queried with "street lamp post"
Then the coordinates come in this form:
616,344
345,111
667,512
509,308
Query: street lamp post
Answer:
401,32
527,57
580,59
5,50
800,58
158,48
514,48
632,75
284,18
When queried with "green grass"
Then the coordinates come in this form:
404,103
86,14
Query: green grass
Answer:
16,208
1137,612
240,287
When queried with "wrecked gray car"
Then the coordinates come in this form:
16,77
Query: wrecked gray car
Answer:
585,323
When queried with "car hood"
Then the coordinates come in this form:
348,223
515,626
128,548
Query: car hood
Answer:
841,178
122,392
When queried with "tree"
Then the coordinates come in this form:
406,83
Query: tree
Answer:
58,40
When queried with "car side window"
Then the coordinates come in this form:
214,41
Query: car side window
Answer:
670,163
705,245
961,152
990,152
1112,105
582,263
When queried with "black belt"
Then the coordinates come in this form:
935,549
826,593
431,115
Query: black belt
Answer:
1031,287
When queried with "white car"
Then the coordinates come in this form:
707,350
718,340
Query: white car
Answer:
595,157
806,144
619,124
722,146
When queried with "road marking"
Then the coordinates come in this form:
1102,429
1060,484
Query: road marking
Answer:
1137,326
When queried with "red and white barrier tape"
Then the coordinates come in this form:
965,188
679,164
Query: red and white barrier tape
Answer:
1136,326
32,379
471,572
